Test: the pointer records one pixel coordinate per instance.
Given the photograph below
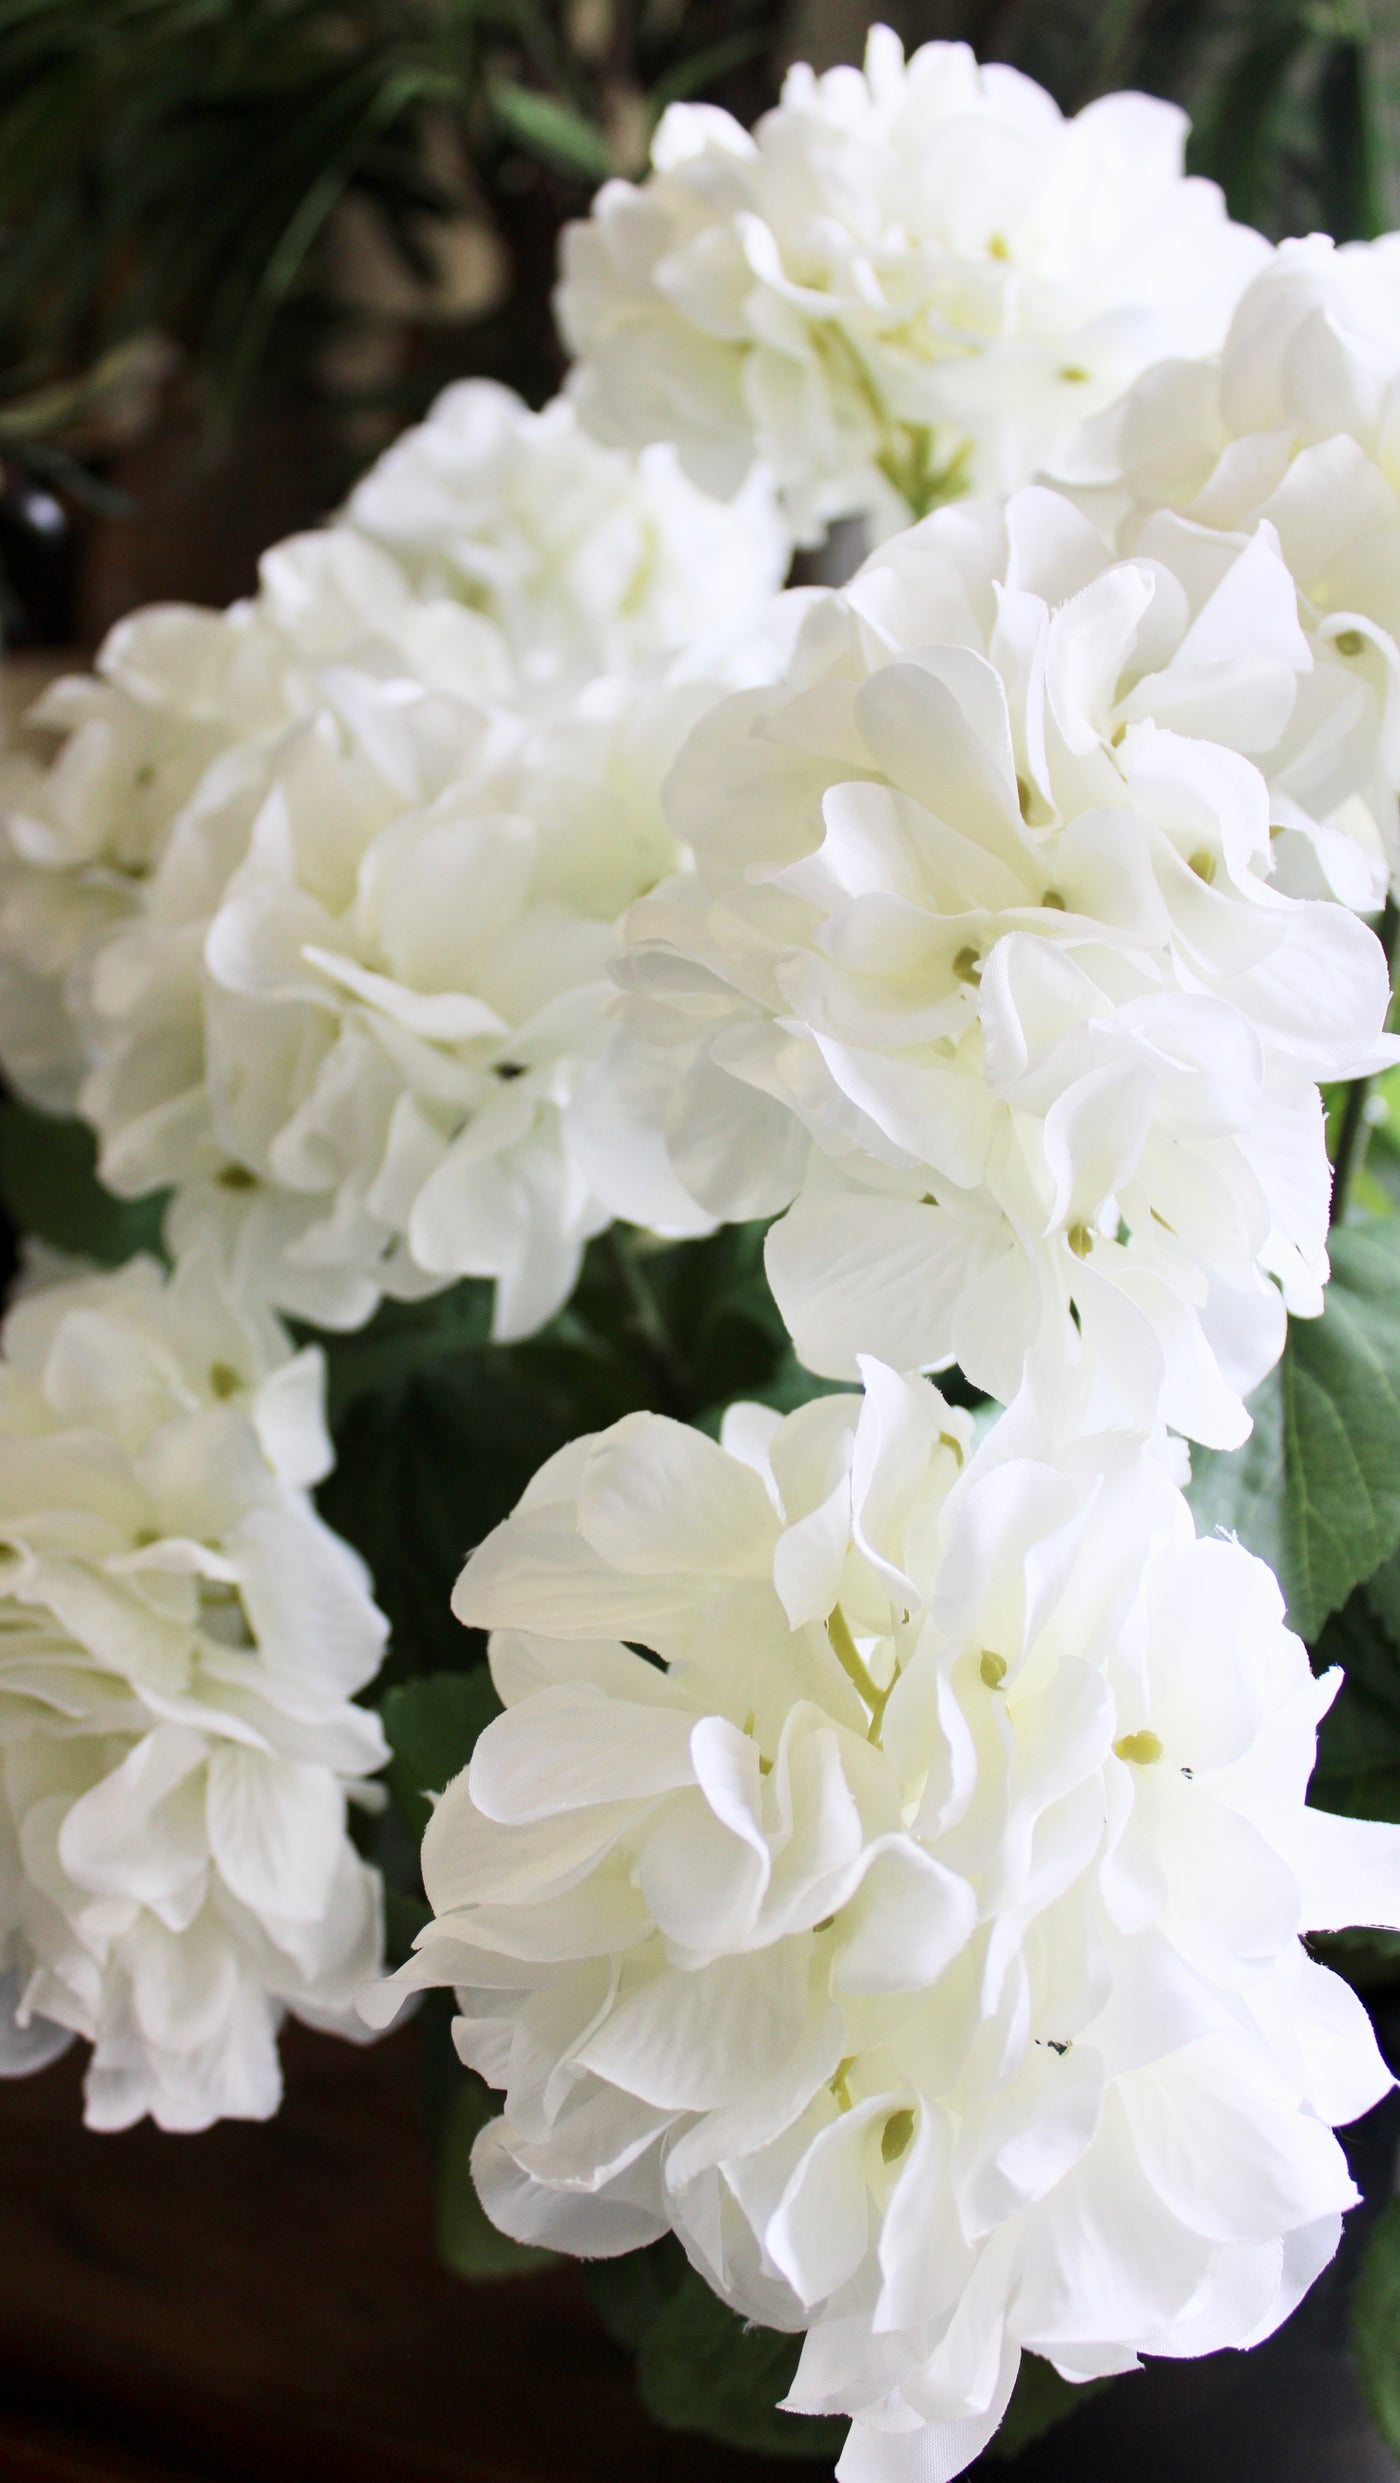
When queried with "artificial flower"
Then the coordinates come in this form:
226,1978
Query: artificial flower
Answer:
889,1874
1295,422
346,1035
181,1641
982,975
587,560
912,280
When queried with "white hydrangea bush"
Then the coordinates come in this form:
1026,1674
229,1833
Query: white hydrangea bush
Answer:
1294,423
912,279
181,1644
889,1874
982,975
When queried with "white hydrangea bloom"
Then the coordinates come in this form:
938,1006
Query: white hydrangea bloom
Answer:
310,913
181,1640
361,991
920,1940
980,965
910,281
182,711
1297,422
589,561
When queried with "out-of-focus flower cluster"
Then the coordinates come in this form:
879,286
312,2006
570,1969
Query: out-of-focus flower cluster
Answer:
311,913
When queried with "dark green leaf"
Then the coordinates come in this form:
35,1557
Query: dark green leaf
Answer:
699,2368
49,1185
427,1466
1358,1759
1316,1490
1341,1428
1375,2324
1242,1491
402,1339
432,1724
630,2293
467,2239
552,130
1039,2400
404,1917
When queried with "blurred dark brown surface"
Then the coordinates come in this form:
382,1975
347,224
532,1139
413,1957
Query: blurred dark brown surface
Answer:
264,2302
200,514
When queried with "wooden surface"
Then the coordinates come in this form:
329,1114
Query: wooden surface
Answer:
264,2301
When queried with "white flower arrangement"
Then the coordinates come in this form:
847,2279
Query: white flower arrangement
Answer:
891,1874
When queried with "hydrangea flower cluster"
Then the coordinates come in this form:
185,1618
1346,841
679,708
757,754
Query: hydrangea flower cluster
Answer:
889,1874
587,560
1295,424
181,1642
912,280
311,914
981,972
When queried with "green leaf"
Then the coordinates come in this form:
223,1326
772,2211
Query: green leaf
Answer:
1242,1491
467,2239
1039,2400
427,1465
49,1186
1375,2324
404,1917
432,1724
552,130
1341,1428
630,2293
1316,1489
402,1339
1358,1752
699,2368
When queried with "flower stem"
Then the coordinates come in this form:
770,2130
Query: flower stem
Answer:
1351,1144
848,1656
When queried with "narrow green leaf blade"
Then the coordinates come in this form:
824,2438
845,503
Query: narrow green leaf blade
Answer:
1375,2324
551,130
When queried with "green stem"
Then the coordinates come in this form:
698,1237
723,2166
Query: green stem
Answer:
1351,1144
641,1302
848,1656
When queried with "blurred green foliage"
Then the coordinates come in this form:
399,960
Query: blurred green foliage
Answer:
177,165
